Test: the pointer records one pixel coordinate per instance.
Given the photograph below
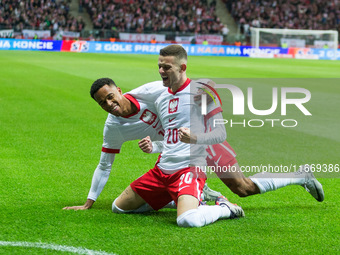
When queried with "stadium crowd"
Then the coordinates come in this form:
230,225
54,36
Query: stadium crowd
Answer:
182,16
193,16
38,14
292,14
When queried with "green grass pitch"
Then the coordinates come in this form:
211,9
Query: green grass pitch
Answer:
50,141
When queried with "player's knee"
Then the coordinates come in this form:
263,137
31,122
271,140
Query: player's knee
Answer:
190,219
237,186
240,191
116,209
243,188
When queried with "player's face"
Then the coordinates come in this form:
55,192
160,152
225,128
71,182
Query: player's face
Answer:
110,98
171,71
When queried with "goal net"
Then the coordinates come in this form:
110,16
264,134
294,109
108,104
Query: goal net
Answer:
299,38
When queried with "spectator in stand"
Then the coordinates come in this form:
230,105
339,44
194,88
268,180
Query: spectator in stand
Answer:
225,31
153,40
38,14
292,14
192,16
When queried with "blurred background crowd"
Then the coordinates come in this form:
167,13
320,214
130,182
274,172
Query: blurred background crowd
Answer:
178,17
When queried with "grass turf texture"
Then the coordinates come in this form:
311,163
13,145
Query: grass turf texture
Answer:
51,135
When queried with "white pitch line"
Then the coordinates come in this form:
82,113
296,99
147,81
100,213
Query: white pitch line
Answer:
55,247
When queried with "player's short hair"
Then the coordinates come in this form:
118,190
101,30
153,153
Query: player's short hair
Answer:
174,50
98,84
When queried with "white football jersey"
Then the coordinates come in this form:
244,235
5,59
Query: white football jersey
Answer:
144,123
177,110
118,130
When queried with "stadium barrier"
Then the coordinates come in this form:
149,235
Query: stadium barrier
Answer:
148,48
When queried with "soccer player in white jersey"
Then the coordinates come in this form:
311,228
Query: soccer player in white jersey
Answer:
130,118
222,155
175,176
219,154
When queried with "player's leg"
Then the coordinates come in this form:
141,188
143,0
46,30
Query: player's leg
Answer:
185,203
304,177
235,180
189,214
224,156
129,202
263,182
147,193
133,203
207,195
188,187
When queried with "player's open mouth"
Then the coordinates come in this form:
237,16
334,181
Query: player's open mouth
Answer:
115,108
165,78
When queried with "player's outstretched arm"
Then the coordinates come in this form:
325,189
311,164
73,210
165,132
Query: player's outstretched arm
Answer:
86,206
99,180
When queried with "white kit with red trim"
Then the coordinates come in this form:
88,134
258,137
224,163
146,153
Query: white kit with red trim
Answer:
178,110
118,130
144,123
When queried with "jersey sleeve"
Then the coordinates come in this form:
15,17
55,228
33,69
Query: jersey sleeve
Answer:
213,110
214,133
157,146
101,175
111,146
113,139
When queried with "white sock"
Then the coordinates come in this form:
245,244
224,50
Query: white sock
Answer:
267,181
202,216
116,209
144,208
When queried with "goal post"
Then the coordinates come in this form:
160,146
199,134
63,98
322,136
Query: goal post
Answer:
300,38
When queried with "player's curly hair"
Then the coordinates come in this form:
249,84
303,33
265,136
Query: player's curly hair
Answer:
98,84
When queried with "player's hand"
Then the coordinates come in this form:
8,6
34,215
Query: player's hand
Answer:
145,144
186,136
76,208
86,206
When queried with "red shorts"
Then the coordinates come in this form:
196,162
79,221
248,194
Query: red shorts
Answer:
221,155
158,189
